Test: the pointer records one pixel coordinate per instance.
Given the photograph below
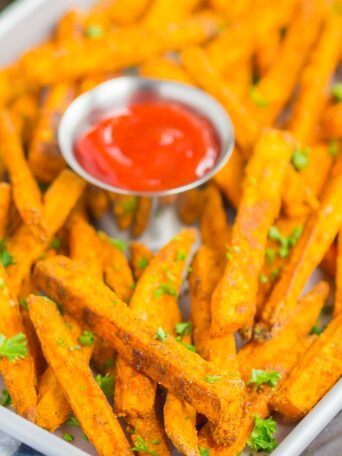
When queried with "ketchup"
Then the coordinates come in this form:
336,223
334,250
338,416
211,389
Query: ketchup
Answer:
150,146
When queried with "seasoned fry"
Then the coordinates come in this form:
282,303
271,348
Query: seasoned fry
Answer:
60,198
230,177
164,68
329,261
206,269
190,206
314,84
124,207
24,112
19,374
338,294
97,201
160,14
118,274
74,375
71,26
140,258
5,203
120,12
315,373
45,158
26,192
142,216
319,233
234,300
156,290
215,231
85,245
332,121
182,372
53,408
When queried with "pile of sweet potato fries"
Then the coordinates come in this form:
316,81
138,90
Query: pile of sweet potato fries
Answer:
94,337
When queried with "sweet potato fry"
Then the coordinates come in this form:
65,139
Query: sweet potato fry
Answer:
74,375
315,373
156,290
45,158
206,269
58,202
5,202
118,274
229,178
120,12
124,207
329,262
96,201
24,112
338,293
85,245
160,14
26,194
53,407
70,26
140,258
19,374
142,216
164,68
190,206
215,231
318,235
182,372
234,300
332,121
233,11
315,80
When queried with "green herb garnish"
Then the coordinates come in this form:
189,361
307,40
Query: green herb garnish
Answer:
165,289
68,437
6,398
261,437
56,243
120,244
333,147
181,255
300,158
337,91
257,98
183,328
87,338
14,347
106,383
94,31
142,263
160,335
73,421
261,377
5,257
141,445
212,378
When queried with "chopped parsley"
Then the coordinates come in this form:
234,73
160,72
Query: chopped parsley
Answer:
181,255
94,31
317,330
61,342
73,421
142,263
257,98
129,205
56,243
106,383
337,91
141,445
300,158
204,451
263,279
87,338
333,147
212,378
190,347
274,234
261,377
295,235
5,257
229,256
274,274
75,347
183,328
270,255
23,304
68,437
14,347
120,244
164,289
5,401
261,437
160,335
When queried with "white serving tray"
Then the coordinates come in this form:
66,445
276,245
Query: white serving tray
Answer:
22,25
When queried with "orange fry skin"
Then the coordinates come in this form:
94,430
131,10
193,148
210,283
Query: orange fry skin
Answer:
5,203
119,12
338,293
234,300
229,178
19,376
171,364
318,235
159,14
124,207
164,68
312,377
142,216
332,121
44,158
26,193
190,206
97,201
75,377
140,258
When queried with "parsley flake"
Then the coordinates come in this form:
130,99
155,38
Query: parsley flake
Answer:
94,31
183,328
68,437
120,244
164,289
263,279
261,377
337,91
5,257
333,148
316,330
5,401
73,421
270,255
87,338
204,451
181,255
14,347
212,379
257,98
56,243
106,383
23,303
141,445
261,437
300,158
142,263
295,235
160,335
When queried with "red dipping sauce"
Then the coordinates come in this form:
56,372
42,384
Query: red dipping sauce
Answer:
150,146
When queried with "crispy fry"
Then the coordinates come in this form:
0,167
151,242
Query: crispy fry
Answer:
118,274
74,375
338,294
85,245
315,80
53,408
190,206
142,216
5,203
45,158
19,375
267,51
70,26
318,235
316,372
182,372
26,194
234,300
332,121
329,261
206,269
215,231
140,258
124,207
160,14
233,11
97,201
134,393
164,68
24,112
230,177
58,202
121,12
319,158
33,344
